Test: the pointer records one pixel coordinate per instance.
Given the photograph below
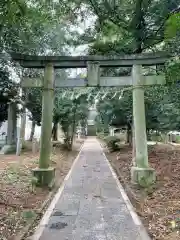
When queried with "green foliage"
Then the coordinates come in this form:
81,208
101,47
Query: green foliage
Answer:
112,143
132,28
69,112
161,105
113,111
177,139
121,27
172,26
34,182
124,26
12,175
34,104
100,135
8,92
31,27
28,215
103,118
173,70
147,184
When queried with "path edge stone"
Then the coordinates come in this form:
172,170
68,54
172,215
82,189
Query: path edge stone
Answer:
45,219
142,231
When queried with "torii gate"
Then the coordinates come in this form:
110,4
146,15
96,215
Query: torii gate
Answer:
140,172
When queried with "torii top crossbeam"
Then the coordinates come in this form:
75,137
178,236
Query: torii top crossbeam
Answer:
32,61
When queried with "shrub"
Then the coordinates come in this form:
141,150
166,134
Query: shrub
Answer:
177,139
112,143
67,144
100,135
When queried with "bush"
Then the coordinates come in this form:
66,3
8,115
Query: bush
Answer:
156,138
67,143
100,135
177,139
112,143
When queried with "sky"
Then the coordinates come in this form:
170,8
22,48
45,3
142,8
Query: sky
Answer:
82,49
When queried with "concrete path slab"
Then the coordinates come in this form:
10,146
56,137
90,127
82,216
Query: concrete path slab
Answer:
92,204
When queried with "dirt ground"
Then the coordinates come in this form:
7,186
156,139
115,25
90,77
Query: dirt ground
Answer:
19,199
159,205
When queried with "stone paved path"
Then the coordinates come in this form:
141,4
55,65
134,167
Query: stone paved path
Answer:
91,206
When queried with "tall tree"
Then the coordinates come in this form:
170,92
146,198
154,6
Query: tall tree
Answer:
139,23
9,91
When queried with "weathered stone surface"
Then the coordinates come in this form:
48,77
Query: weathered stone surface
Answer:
143,176
147,59
7,149
45,176
47,117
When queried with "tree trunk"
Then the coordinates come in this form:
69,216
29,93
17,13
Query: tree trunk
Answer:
157,137
138,25
32,130
129,135
73,127
55,132
147,134
134,146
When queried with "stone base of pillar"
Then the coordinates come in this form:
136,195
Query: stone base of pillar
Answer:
45,176
143,176
6,149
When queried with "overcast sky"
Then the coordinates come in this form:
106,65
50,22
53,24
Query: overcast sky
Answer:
82,49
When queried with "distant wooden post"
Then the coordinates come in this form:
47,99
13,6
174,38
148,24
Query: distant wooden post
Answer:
34,145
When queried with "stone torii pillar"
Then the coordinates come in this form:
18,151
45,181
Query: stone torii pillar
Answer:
44,173
11,131
141,173
12,127
21,137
